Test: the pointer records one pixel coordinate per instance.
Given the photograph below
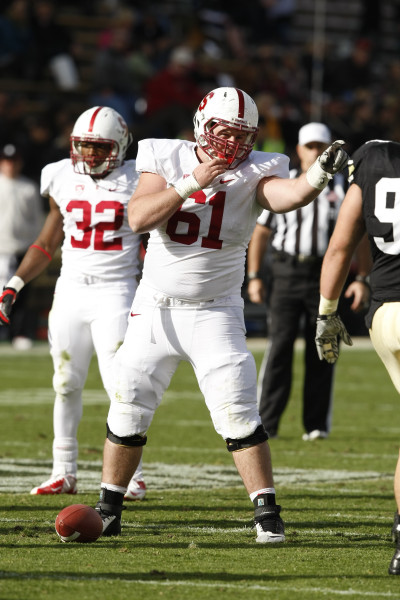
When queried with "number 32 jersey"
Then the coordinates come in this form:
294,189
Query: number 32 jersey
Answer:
376,170
98,241
199,253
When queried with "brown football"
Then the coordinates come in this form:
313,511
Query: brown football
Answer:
79,523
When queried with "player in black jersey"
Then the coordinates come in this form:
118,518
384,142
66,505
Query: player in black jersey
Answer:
372,205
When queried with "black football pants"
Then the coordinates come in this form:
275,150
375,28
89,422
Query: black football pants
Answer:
293,307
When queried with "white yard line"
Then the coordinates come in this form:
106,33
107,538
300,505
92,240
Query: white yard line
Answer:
220,585
21,475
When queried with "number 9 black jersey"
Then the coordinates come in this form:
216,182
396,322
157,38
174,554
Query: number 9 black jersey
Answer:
376,170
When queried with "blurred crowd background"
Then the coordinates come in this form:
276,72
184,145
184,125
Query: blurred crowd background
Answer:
301,60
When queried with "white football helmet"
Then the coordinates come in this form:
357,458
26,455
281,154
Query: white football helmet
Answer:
101,125
230,107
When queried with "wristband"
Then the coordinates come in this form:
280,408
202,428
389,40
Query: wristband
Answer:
327,307
317,177
16,283
362,279
253,275
186,186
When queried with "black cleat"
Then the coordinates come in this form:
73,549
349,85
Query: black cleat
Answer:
394,567
111,516
269,525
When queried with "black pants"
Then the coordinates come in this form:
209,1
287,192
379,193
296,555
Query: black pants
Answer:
294,300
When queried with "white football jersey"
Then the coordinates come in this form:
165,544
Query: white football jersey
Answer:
199,254
98,241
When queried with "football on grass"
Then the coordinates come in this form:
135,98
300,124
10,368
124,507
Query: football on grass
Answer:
79,523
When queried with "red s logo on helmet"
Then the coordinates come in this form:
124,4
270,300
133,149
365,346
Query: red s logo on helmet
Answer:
204,101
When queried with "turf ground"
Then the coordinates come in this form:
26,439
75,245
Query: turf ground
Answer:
191,537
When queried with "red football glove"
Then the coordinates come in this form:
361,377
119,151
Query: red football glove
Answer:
7,299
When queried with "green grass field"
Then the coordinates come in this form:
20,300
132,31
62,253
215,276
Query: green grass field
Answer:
191,537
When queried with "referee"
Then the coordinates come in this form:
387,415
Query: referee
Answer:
299,241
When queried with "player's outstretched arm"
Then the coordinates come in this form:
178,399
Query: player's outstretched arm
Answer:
284,195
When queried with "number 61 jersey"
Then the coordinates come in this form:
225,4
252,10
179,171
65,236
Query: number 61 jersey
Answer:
375,169
98,241
199,253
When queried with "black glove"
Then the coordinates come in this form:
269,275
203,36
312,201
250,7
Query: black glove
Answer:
334,158
329,329
7,299
331,161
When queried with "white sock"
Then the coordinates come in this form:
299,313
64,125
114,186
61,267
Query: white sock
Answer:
262,491
65,456
113,488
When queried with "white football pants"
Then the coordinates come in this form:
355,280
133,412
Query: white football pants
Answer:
84,318
210,336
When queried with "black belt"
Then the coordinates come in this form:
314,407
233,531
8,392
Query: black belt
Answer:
303,259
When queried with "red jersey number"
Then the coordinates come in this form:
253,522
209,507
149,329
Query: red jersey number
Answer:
212,239
95,233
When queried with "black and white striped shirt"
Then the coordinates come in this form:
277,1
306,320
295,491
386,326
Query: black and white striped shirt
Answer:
306,231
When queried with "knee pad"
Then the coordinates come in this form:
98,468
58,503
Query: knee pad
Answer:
132,440
257,437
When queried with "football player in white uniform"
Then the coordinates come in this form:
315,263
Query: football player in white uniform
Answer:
200,201
88,196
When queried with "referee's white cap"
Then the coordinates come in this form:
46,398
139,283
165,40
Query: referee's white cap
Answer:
314,132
